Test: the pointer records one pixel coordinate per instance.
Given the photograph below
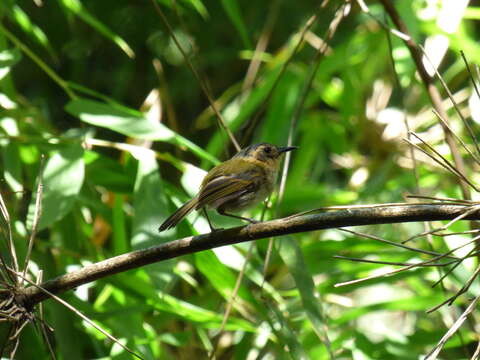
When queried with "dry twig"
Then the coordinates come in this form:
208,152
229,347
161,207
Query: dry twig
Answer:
433,354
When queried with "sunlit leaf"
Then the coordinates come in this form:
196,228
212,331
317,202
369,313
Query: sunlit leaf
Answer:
130,123
62,181
8,58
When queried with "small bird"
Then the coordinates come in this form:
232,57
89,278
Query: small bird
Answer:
236,184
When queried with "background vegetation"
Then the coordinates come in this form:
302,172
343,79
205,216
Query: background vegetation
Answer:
102,92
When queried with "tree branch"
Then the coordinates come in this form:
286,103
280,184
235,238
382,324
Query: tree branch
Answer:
368,215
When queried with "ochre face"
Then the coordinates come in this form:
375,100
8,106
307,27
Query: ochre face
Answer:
265,152
261,152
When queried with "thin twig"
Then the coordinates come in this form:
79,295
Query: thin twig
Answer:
250,127
450,299
11,247
18,331
373,237
15,348
470,210
365,9
248,82
376,276
338,17
408,267
474,138
80,314
165,96
459,139
470,253
5,342
202,84
36,216
299,106
432,91
262,43
230,302
475,231
476,354
393,272
41,323
395,32
474,83
446,162
466,286
393,263
432,355
447,166
450,96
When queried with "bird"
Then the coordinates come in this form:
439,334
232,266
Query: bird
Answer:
236,184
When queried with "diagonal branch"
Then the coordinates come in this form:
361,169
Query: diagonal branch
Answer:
293,224
432,91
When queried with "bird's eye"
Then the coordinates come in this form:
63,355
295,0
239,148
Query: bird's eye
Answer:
267,149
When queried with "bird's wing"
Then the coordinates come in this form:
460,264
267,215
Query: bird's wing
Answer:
226,187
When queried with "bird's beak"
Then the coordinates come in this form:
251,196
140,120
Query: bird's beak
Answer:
286,148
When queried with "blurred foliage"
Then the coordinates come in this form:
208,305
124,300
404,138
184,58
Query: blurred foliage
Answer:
101,90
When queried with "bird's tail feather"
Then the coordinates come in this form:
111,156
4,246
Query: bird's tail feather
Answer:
178,215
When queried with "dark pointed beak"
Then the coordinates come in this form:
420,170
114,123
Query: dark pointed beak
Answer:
286,148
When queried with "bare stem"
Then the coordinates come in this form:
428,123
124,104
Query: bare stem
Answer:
294,224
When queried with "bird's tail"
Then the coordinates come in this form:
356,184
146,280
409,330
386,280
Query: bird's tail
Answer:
178,215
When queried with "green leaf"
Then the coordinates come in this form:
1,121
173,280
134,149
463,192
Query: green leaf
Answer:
62,181
292,256
104,171
149,204
12,171
31,29
129,122
220,277
67,337
201,9
286,333
31,346
119,227
8,58
78,9
234,13
149,199
414,303
194,313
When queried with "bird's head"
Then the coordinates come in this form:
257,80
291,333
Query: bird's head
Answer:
268,153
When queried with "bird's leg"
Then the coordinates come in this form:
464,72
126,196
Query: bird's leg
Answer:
222,212
212,229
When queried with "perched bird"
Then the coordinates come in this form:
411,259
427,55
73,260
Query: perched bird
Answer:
236,184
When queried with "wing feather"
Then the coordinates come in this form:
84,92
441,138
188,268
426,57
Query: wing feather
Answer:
225,188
